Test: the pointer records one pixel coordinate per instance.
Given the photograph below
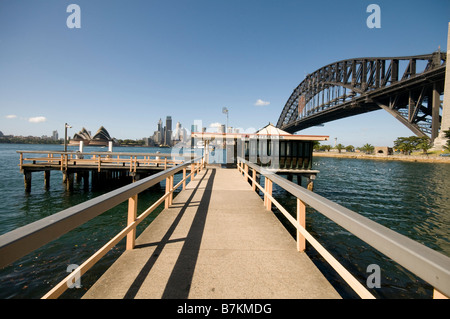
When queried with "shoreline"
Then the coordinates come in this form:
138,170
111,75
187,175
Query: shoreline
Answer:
404,158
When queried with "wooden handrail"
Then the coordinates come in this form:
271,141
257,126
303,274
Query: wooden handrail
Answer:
428,264
130,160
299,225
24,240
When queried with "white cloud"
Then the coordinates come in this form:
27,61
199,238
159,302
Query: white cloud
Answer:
37,119
11,116
260,102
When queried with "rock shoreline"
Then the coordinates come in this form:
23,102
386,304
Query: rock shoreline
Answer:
407,158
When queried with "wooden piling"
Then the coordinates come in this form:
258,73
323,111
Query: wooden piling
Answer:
46,179
69,181
85,178
27,180
299,180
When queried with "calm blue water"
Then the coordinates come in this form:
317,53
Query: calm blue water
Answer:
36,273
410,198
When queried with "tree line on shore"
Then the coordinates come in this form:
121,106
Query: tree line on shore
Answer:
10,139
403,145
367,148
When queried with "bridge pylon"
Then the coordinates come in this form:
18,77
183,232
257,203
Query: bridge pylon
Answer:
440,140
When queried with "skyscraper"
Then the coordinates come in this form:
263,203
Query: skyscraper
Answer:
168,131
55,135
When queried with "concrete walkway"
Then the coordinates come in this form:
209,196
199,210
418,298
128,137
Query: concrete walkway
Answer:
215,241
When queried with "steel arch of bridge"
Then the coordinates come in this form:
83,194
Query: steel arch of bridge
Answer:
407,87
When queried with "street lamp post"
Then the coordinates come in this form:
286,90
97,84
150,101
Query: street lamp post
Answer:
66,126
225,111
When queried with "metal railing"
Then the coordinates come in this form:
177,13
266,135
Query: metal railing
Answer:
26,239
431,266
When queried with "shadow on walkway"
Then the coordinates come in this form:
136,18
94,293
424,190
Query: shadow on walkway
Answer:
178,285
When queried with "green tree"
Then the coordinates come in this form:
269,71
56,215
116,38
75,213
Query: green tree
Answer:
447,136
424,144
405,144
316,145
408,144
368,148
340,147
350,148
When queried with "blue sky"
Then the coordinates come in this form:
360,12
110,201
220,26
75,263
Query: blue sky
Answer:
134,62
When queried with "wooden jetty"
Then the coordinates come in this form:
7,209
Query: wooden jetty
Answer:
219,239
216,240
100,166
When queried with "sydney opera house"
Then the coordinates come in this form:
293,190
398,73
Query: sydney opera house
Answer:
101,138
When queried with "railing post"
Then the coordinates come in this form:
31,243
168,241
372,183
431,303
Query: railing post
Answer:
245,172
184,178
266,187
268,192
301,219
192,171
132,214
439,295
171,190
254,180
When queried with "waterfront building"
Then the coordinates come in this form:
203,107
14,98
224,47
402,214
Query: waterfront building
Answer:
101,138
269,147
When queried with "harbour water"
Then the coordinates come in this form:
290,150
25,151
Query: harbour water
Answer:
410,198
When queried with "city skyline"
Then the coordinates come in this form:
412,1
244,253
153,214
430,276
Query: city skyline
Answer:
129,64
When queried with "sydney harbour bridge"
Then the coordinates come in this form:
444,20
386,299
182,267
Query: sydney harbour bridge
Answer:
408,87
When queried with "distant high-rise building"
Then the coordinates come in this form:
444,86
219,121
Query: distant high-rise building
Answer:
169,122
160,125
163,134
55,135
158,135
180,134
168,131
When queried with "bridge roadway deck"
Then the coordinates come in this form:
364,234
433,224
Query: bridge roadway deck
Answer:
216,241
